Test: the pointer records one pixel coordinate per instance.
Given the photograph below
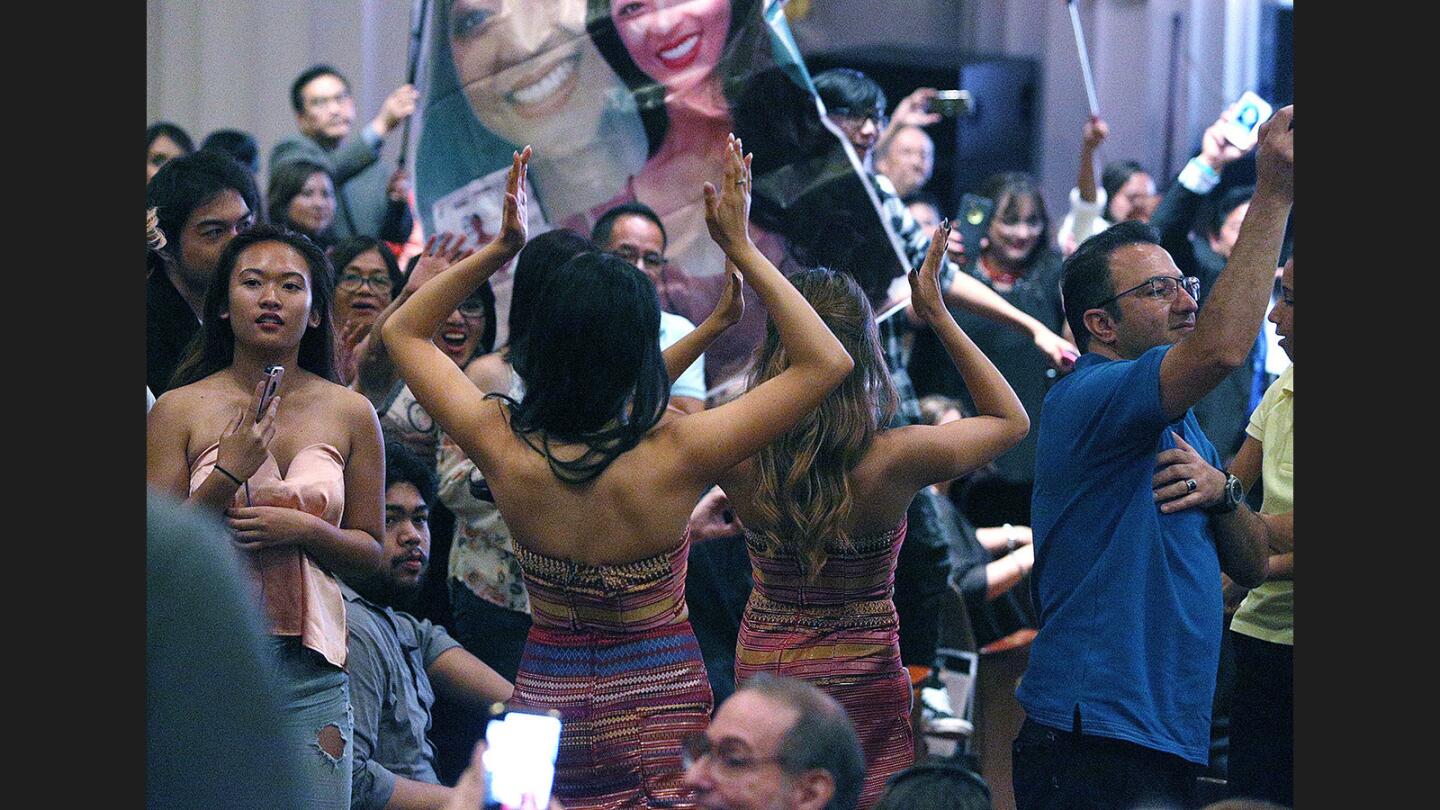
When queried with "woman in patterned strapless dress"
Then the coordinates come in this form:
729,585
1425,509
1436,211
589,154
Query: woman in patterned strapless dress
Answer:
824,510
596,480
301,487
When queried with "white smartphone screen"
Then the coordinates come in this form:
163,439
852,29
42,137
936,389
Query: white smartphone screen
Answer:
520,759
1250,112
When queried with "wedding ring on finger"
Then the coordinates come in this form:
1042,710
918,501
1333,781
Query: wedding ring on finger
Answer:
1189,485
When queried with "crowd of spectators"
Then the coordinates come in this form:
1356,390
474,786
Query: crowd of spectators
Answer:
1055,440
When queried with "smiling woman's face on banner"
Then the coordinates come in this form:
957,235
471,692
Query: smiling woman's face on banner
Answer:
530,71
675,42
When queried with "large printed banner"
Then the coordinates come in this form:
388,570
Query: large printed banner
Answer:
628,100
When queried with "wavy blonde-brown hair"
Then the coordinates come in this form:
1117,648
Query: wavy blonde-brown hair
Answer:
803,496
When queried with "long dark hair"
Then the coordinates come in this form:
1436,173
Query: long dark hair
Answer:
803,496
286,181
591,364
213,347
538,260
1116,174
1006,189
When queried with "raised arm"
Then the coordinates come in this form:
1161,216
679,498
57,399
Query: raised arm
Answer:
713,441
967,292
684,352
439,385
912,111
1174,217
1094,134
1235,309
939,453
375,371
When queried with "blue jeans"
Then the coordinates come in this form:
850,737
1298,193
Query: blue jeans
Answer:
314,699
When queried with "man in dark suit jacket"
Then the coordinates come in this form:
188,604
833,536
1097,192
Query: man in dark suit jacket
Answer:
370,201
202,201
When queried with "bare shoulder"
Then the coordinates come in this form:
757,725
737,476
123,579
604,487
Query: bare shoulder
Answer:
187,401
490,373
890,446
352,404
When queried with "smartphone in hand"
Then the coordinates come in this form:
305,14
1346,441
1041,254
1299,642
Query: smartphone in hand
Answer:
950,103
273,374
973,221
520,750
1250,112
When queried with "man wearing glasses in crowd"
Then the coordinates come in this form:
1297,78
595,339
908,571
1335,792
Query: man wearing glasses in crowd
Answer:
633,232
1128,558
370,201
776,742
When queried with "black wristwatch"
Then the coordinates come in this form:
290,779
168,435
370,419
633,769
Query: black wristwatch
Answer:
1234,494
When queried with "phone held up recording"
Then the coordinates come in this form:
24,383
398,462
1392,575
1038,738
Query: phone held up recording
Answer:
973,221
273,375
1243,128
951,103
520,751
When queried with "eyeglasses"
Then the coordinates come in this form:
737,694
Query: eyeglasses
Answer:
651,260
857,118
321,102
472,309
697,746
1161,288
352,282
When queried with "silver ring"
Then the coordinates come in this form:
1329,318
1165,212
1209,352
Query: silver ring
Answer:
1189,485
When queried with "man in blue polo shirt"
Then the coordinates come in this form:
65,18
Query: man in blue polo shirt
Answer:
1119,686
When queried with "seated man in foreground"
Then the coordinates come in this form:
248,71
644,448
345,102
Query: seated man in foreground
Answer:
397,662
1121,675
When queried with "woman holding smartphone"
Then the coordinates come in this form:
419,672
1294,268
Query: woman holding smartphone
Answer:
824,506
597,480
300,486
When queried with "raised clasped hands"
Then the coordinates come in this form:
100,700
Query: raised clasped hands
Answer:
925,282
514,214
730,308
727,209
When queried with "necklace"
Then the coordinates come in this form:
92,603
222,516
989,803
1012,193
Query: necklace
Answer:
998,276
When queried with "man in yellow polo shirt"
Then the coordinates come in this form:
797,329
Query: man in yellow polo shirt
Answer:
1262,632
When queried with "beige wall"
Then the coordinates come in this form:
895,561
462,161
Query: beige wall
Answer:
212,65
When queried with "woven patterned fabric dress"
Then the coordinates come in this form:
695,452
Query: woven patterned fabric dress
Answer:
612,649
840,633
